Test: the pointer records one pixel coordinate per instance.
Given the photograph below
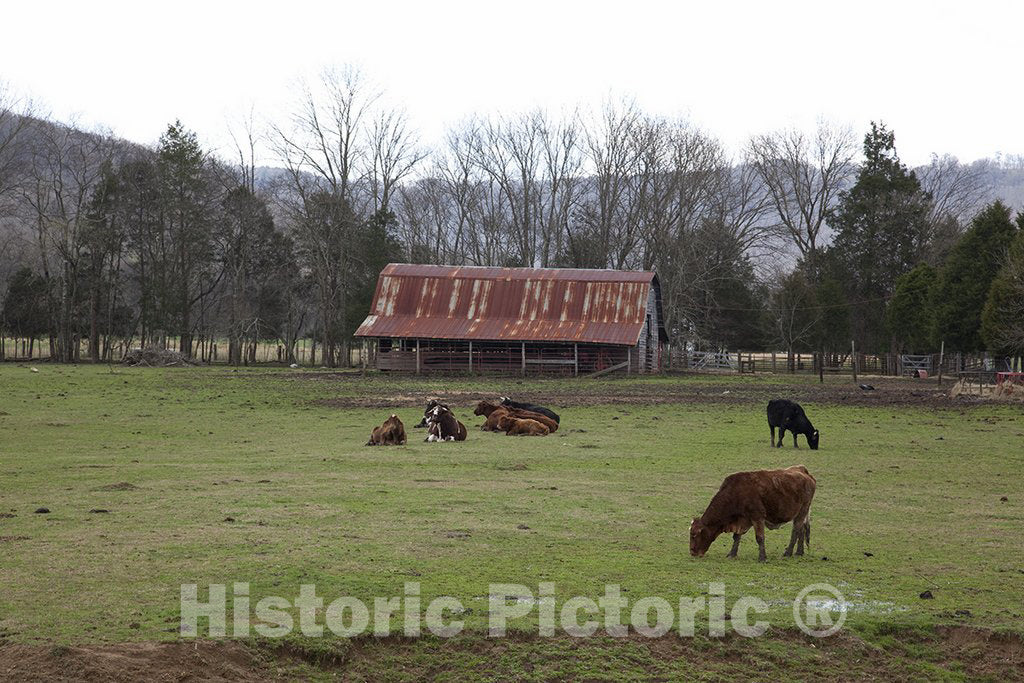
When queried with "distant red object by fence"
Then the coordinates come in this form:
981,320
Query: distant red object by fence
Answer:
1012,377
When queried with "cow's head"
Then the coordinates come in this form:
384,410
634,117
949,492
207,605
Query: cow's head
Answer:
812,440
504,400
701,537
485,408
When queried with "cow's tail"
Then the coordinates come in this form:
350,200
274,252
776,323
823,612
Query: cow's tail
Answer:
807,530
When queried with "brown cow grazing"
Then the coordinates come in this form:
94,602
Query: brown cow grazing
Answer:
765,498
493,411
515,426
391,433
442,426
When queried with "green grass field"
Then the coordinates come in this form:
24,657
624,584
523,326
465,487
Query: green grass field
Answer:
908,500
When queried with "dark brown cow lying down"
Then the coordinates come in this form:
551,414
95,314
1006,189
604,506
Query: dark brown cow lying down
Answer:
765,498
514,426
391,433
494,411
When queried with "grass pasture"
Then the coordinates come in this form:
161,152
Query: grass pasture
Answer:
910,489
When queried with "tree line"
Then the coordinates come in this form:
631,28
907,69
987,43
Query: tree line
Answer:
796,243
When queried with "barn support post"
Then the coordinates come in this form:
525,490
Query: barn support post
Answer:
575,360
365,353
523,357
417,356
471,358
629,360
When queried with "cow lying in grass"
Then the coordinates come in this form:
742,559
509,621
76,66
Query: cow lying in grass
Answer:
514,426
787,415
442,426
494,412
765,498
391,433
550,414
426,413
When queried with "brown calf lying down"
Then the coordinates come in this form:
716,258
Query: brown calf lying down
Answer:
494,411
514,426
765,498
391,433
442,426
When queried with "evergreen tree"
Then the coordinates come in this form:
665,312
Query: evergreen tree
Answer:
186,196
882,229
1002,319
24,312
967,275
908,315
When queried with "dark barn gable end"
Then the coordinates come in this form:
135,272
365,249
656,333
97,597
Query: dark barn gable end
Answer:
515,320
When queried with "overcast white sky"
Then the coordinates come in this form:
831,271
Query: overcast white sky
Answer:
946,76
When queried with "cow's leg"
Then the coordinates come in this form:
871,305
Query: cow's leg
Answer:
805,531
782,435
772,427
792,539
794,440
735,545
759,535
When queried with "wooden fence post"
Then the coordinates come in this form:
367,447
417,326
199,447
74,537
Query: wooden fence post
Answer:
523,357
417,356
853,360
471,358
942,353
575,360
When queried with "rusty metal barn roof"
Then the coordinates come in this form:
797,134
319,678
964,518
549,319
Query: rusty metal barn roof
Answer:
509,304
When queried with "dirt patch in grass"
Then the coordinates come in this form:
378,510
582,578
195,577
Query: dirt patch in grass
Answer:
184,661
975,653
886,392
120,486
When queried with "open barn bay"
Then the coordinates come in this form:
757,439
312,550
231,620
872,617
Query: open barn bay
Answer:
155,478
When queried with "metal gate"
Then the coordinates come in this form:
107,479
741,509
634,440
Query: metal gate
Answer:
910,365
713,360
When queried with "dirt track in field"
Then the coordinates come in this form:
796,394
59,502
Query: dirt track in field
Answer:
689,390
978,653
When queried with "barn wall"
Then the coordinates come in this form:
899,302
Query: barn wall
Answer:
445,357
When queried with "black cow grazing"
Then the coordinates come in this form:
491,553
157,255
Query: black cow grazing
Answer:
789,416
426,413
506,401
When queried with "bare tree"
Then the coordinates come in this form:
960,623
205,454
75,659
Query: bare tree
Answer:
66,167
804,176
957,190
328,160
394,154
15,120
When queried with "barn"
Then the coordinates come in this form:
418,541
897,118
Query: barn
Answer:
514,320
